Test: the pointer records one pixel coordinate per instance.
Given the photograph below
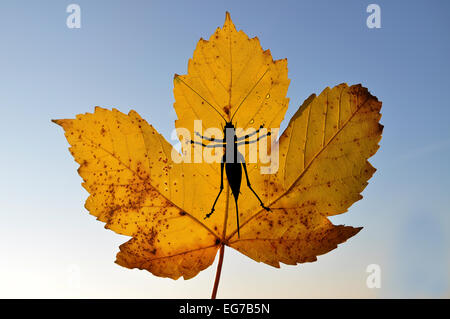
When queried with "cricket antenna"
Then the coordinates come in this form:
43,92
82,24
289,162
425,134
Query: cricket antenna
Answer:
248,95
178,78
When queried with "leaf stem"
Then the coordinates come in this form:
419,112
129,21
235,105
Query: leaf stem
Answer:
218,271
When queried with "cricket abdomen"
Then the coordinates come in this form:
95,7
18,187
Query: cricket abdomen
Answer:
234,176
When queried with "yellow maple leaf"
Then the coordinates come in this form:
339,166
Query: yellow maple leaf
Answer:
139,187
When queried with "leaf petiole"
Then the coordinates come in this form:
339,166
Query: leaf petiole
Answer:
218,271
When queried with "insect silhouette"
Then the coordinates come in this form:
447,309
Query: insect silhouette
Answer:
232,160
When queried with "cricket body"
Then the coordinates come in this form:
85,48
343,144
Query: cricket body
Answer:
233,162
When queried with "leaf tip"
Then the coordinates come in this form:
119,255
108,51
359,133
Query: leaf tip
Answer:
228,22
60,122
227,16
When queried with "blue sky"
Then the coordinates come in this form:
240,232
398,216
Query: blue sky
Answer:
125,56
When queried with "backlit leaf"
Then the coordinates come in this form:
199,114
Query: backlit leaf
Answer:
139,188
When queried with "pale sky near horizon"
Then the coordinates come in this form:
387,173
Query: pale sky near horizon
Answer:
125,55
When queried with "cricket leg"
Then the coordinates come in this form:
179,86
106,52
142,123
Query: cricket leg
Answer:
250,186
220,191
